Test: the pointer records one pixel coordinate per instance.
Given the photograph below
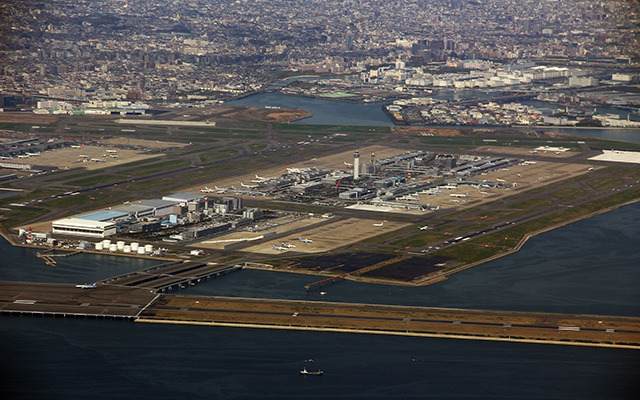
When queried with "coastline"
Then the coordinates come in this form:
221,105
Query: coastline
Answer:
389,333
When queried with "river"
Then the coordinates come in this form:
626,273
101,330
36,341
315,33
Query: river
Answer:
332,112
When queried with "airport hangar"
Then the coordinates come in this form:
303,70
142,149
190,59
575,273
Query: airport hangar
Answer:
105,223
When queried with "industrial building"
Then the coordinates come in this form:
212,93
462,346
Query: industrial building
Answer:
84,227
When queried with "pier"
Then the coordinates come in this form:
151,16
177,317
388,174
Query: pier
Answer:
319,283
171,276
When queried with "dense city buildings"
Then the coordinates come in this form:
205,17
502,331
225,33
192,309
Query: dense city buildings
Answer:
213,50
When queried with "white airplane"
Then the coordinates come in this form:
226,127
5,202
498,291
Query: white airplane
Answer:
410,197
348,164
112,151
529,162
33,154
206,190
85,156
481,192
314,159
423,228
499,180
293,170
99,159
248,186
287,245
380,224
6,158
590,169
454,201
23,156
91,286
450,187
74,146
279,248
459,195
258,179
303,240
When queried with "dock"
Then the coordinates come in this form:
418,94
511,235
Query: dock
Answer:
319,283
171,276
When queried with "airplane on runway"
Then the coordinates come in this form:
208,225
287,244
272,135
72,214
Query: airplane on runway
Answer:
279,248
99,159
33,154
303,240
287,245
380,224
481,192
91,286
423,228
348,164
112,151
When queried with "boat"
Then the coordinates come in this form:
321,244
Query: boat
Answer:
305,372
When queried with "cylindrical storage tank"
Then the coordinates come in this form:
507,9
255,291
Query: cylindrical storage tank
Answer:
148,248
106,243
113,247
99,246
134,246
120,245
127,248
140,250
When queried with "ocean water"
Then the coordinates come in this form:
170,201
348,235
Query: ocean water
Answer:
89,359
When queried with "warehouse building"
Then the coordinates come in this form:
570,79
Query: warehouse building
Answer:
84,227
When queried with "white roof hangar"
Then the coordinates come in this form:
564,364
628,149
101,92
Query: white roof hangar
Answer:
183,198
84,227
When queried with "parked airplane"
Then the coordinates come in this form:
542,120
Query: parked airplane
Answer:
73,146
91,286
23,156
499,180
258,179
33,154
459,195
112,151
303,240
99,159
454,201
85,156
481,192
279,248
423,228
248,186
380,224
287,245
348,164
206,190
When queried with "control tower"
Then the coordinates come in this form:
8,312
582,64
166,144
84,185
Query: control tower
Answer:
356,165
